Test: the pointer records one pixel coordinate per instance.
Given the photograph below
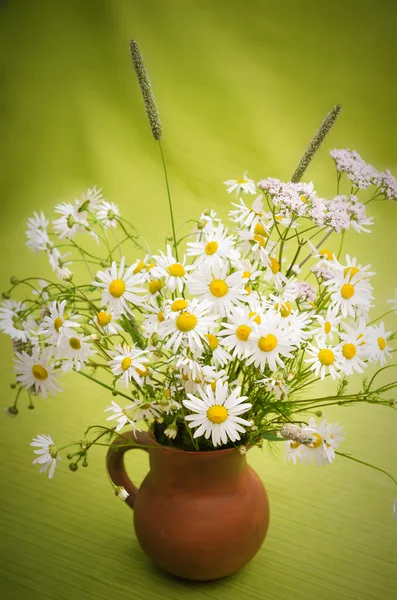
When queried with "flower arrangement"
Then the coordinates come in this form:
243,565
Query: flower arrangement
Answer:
215,340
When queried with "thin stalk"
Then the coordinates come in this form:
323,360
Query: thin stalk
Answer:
169,202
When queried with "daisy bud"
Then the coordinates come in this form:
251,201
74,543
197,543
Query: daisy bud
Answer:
160,420
114,393
154,339
85,461
201,224
242,450
13,280
146,90
207,212
73,466
316,142
319,413
171,431
11,411
6,295
94,337
121,492
169,237
13,386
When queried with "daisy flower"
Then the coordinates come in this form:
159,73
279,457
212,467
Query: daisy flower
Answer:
324,358
276,385
107,213
58,264
350,295
249,217
220,355
188,328
238,329
216,414
326,437
327,325
271,340
128,363
119,288
70,223
36,233
89,200
256,246
106,323
122,415
48,454
57,324
224,292
35,371
214,246
209,376
377,348
75,349
243,185
189,366
154,315
14,321
174,272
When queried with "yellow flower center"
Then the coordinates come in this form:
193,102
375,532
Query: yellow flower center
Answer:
178,305
219,288
352,270
347,291
117,288
241,181
39,372
143,372
260,230
326,253
246,275
58,324
359,338
75,343
267,343
150,266
326,356
248,289
278,218
327,327
294,445
317,440
176,270
160,317
257,318
274,265
213,385
284,309
303,199
155,286
211,248
141,265
103,318
217,414
212,341
126,363
243,332
381,343
166,394
260,239
186,321
349,351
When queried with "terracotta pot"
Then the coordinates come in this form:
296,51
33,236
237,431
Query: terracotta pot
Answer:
198,515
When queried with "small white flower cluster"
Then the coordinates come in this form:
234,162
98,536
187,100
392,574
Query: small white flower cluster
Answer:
217,340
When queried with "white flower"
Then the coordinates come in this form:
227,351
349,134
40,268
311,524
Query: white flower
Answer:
376,345
326,437
171,431
48,454
324,358
219,354
154,315
256,246
107,213
350,295
224,292
272,340
174,272
250,217
217,414
106,323
188,328
122,415
189,366
214,246
89,200
119,288
238,330
278,386
56,324
15,320
58,264
128,363
37,234
75,349
71,221
353,354
209,376
36,371
393,301
327,324
244,185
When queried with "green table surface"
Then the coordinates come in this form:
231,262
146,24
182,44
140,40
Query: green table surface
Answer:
240,85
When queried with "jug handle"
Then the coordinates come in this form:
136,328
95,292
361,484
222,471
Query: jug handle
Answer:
130,440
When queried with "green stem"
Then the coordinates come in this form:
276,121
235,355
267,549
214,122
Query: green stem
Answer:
169,202
362,462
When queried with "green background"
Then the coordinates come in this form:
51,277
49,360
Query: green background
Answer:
240,85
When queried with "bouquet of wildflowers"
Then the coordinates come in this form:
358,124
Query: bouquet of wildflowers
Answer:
215,340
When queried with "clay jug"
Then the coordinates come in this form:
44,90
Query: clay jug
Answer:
198,515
